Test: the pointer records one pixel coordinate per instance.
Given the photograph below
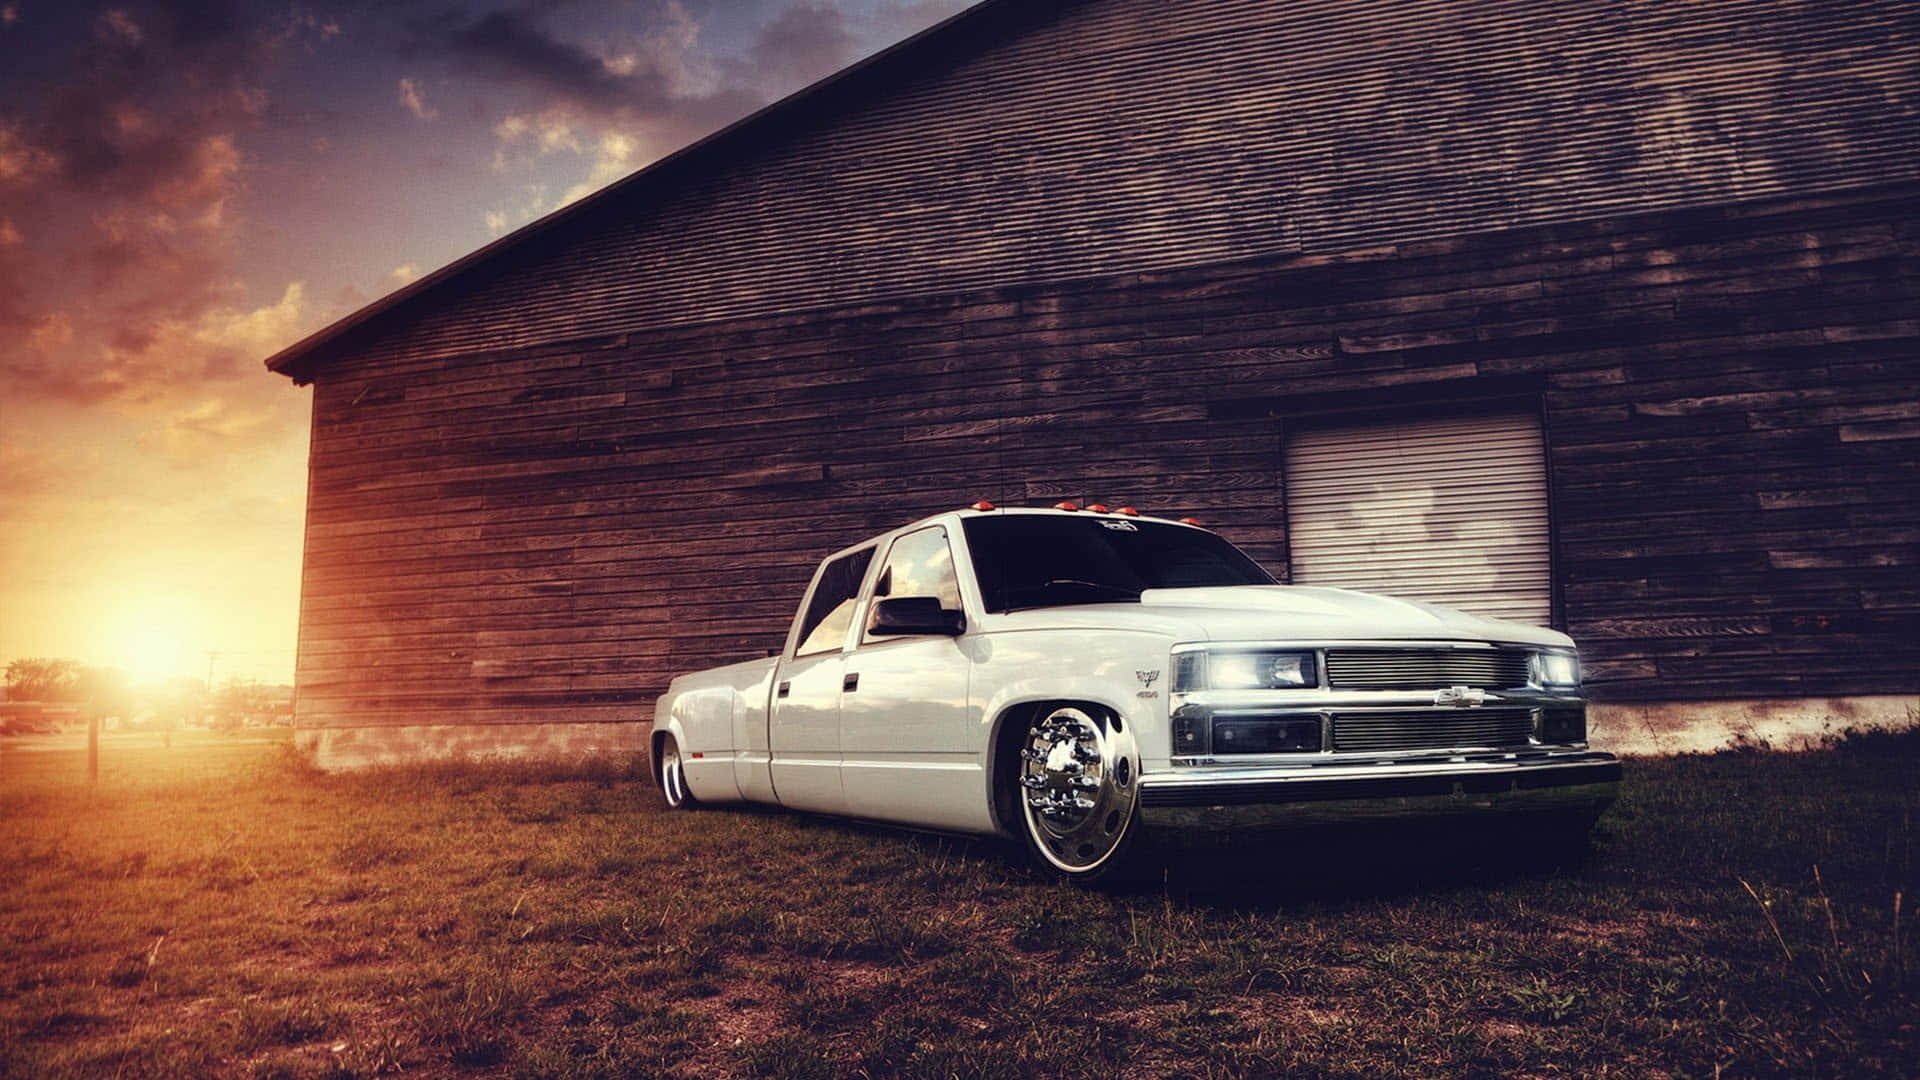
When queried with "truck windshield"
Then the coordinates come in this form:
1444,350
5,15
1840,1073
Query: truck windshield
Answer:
1040,560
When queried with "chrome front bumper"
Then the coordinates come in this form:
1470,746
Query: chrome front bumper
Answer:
1569,784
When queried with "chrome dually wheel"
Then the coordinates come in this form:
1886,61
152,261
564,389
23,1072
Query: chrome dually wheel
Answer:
1079,790
673,775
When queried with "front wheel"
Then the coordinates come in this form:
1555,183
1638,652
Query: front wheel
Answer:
1079,792
673,776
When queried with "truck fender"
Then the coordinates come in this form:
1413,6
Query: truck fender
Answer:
708,767
1015,700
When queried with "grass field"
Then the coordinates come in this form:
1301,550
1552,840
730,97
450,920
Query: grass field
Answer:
216,909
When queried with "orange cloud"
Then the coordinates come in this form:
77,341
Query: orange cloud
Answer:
171,359
212,429
205,182
414,102
21,162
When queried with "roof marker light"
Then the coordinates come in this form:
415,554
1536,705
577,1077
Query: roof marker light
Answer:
1098,508
1066,504
1189,521
1128,511
983,505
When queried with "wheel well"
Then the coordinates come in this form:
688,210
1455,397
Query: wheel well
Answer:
1009,730
654,745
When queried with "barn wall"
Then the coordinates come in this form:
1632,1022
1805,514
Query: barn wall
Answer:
545,534
1048,141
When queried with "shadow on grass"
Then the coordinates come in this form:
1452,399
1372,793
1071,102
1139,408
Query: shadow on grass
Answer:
1261,872
1355,864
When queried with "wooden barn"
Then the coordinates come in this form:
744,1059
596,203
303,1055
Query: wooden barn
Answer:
1600,314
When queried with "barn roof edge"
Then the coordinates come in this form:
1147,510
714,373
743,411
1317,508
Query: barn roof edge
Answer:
299,359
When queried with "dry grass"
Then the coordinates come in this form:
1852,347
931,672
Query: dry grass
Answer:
220,910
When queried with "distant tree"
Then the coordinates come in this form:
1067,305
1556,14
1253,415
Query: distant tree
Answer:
239,699
176,703
41,679
106,692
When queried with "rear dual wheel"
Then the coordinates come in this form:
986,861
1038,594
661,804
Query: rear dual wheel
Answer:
1078,787
673,776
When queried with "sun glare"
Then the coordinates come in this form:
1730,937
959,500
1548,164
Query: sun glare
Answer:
156,638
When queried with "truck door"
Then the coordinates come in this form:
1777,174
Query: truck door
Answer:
907,743
803,725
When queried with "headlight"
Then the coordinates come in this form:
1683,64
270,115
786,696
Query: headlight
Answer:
1243,669
1560,670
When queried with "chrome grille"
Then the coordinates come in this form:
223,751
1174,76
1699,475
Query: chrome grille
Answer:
1431,729
1425,669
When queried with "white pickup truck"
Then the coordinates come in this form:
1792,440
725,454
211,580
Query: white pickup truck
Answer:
1075,677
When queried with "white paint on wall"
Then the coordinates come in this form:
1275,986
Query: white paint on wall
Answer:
363,747
1703,727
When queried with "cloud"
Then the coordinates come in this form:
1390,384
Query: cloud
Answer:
29,471
119,181
621,103
400,275
212,428
53,332
800,45
548,132
511,47
414,103
21,162
614,157
204,182
117,27
618,102
169,360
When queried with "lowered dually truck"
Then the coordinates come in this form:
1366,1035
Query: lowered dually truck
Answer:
1074,678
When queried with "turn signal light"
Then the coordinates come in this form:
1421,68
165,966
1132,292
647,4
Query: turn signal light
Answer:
1066,505
983,505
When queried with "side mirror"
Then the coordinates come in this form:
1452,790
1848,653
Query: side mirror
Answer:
908,615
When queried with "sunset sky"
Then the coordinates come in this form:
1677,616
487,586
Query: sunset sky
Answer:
187,187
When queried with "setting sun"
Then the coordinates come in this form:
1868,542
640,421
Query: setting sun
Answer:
157,636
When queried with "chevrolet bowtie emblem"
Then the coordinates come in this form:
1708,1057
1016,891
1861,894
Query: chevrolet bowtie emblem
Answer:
1460,696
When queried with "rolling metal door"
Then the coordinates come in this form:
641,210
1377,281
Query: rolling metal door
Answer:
1448,511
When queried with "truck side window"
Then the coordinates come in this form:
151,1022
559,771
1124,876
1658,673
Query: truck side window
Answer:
830,609
920,564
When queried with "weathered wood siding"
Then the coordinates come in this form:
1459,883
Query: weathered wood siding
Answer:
1048,140
546,533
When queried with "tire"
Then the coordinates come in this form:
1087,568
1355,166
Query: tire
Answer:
1077,786
673,776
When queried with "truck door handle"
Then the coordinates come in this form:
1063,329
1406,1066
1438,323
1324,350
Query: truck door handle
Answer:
785,689
851,682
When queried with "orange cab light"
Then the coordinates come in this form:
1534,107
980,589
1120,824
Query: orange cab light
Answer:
1098,508
1128,510
1066,504
1189,521
983,505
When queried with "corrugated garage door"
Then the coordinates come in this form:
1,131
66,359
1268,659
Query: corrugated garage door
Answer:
1449,511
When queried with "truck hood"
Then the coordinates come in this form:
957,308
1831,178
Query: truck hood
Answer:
1288,612
1296,611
